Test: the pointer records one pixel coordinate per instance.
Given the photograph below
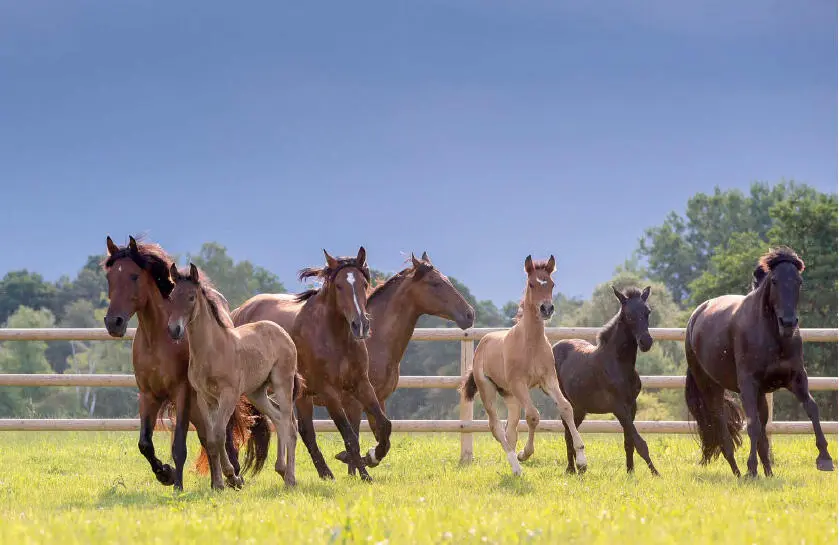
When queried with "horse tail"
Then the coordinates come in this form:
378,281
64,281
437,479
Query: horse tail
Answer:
469,387
299,386
710,436
244,416
167,411
258,442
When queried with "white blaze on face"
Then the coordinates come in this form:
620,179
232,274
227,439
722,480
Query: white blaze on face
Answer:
541,282
119,269
351,280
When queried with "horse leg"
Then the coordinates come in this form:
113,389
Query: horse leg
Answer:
224,413
230,445
182,402
149,408
749,394
305,424
282,422
566,411
379,422
336,412
569,442
632,440
488,395
212,443
353,409
284,395
511,430
801,390
202,429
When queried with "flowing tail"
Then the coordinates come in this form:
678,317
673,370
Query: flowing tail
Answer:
469,387
707,426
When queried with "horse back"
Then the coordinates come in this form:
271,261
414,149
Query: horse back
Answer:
711,338
281,309
267,338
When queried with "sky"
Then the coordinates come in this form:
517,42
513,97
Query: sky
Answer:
478,130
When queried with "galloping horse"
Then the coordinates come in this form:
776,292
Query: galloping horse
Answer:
602,378
749,344
139,283
512,362
226,362
329,332
394,307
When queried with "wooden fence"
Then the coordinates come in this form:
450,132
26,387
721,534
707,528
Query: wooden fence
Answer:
465,426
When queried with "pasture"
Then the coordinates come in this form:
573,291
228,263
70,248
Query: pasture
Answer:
87,487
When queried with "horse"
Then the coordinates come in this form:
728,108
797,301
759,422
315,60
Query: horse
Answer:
752,345
602,378
329,332
394,307
226,362
512,362
139,283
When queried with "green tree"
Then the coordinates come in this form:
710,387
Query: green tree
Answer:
23,288
237,281
24,357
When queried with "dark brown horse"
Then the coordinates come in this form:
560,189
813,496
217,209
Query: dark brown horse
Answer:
749,344
602,378
329,333
139,283
394,307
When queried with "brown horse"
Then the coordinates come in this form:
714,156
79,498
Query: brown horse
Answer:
226,362
512,362
139,283
602,378
394,307
749,344
329,332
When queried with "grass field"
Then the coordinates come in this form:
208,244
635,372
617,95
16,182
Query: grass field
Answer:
70,488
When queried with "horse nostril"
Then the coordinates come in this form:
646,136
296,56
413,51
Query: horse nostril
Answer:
118,321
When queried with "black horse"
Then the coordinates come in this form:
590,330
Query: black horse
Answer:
602,378
749,344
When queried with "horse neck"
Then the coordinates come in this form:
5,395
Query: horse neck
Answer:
153,316
621,342
206,335
530,320
761,297
394,316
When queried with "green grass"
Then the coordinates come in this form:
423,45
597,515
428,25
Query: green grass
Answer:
67,488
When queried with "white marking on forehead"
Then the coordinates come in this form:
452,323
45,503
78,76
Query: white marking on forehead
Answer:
119,268
351,280
541,282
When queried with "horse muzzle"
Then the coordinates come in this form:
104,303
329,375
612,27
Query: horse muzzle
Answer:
176,330
645,343
360,329
116,325
546,310
466,319
787,325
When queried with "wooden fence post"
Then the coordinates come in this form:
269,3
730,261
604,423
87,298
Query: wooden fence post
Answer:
467,353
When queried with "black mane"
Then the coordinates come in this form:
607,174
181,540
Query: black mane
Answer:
151,258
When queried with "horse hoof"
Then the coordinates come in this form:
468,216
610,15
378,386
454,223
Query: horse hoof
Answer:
582,469
327,475
570,470
655,472
290,482
824,464
370,458
343,457
166,475
523,456
366,477
235,481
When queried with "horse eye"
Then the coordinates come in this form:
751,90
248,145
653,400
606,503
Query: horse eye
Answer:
532,285
191,298
134,277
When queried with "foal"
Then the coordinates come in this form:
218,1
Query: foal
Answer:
602,378
512,362
226,362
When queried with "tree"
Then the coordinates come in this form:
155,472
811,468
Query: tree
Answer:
22,288
237,281
24,357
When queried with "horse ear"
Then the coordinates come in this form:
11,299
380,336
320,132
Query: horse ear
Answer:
415,262
552,264
331,262
132,245
361,258
621,297
173,272
425,257
193,272
112,248
528,264
646,293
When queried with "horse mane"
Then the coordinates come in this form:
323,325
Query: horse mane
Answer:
150,257
541,264
397,279
773,258
610,327
327,274
218,303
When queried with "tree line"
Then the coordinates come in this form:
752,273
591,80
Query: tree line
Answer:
709,249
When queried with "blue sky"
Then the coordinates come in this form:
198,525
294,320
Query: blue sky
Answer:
477,130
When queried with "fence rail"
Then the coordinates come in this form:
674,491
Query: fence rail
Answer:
465,425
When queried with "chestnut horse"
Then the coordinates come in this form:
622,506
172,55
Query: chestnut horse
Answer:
394,307
512,362
602,378
139,283
226,362
329,332
749,344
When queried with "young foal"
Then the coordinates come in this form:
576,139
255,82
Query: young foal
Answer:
394,307
139,283
226,362
512,362
329,332
602,378
749,344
